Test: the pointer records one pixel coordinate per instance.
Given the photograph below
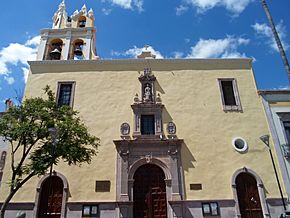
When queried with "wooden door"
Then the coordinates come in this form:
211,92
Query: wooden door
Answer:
248,196
51,198
149,192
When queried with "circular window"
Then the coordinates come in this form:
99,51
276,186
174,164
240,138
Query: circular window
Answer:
240,144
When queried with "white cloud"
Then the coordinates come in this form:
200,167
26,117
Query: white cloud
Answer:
35,41
16,53
106,11
181,9
265,32
123,3
218,48
9,80
178,54
129,4
25,72
138,4
234,6
284,87
135,51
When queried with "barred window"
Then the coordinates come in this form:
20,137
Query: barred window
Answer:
65,93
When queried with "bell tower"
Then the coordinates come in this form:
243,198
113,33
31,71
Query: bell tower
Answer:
70,38
60,16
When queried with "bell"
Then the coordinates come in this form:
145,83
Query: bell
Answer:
55,54
82,23
78,51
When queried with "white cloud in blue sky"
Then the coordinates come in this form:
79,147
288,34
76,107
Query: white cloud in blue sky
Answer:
204,48
25,73
181,9
15,54
218,48
10,80
135,51
128,4
178,54
265,32
106,11
234,6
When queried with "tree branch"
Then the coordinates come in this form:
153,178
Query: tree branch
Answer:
25,155
18,145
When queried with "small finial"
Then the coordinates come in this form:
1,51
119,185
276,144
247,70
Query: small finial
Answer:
91,13
62,5
158,99
146,47
84,9
136,99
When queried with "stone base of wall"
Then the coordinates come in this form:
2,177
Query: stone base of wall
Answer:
180,209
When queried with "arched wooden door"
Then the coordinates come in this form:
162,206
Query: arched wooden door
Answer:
51,195
149,193
248,196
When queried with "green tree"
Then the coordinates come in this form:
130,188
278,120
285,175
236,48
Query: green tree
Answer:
26,129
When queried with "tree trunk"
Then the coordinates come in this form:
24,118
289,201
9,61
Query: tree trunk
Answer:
276,36
12,193
6,202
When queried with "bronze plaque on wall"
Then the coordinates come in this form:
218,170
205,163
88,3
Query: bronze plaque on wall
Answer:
103,186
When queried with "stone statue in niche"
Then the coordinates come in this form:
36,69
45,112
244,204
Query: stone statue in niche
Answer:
147,93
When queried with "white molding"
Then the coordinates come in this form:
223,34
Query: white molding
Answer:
139,65
240,149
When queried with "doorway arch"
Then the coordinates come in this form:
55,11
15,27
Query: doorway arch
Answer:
149,192
51,196
249,194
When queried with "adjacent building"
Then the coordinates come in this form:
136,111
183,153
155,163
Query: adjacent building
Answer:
277,107
179,137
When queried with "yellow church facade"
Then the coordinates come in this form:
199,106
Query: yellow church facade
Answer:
179,137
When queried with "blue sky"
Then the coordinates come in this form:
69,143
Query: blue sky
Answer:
173,29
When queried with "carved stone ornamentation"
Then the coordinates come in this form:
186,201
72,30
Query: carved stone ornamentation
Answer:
172,151
147,93
158,99
124,152
125,129
171,128
148,158
136,99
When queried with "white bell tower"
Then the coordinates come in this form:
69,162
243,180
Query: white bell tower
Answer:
70,38
60,16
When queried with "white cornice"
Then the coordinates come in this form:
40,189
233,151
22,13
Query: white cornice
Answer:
64,30
138,65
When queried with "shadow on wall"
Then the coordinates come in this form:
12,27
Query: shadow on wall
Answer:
158,87
166,117
186,155
187,158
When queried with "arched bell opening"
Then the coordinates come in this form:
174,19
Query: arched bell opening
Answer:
77,50
82,22
54,50
149,192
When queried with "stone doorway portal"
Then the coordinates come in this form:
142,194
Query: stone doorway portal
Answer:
248,196
149,192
